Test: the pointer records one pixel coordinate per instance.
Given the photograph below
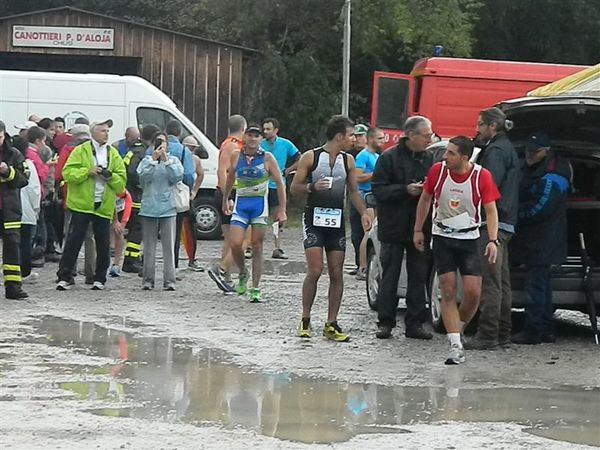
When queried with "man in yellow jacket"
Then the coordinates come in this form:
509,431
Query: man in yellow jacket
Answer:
95,174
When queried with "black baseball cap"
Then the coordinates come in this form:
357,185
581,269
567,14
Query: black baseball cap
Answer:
254,128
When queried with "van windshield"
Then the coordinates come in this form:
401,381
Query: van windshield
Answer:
392,100
158,117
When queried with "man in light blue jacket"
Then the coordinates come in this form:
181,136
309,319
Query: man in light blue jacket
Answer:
159,173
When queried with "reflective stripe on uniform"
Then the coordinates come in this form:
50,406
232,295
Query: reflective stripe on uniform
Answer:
15,278
134,246
136,205
12,267
11,176
12,225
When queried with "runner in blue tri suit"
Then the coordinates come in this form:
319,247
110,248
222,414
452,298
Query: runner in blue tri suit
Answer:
253,168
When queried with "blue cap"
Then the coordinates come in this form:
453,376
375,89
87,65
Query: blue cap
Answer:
537,141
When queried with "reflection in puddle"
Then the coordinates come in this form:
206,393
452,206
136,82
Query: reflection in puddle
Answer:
163,379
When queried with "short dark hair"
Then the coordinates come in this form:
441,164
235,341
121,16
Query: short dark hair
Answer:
372,131
337,124
465,145
273,120
149,131
20,144
35,133
174,127
59,119
45,123
82,121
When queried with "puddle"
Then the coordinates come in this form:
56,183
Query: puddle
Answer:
158,378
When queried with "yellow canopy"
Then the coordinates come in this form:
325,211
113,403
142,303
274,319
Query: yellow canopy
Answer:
585,83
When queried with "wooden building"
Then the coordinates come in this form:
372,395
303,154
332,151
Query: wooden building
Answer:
203,77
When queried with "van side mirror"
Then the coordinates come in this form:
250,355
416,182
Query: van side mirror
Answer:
370,201
202,153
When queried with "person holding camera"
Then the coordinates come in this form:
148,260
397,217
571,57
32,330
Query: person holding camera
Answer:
95,174
159,172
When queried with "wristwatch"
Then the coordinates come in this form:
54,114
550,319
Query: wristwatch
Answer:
496,242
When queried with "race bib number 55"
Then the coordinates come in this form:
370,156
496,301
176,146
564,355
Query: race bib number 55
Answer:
327,217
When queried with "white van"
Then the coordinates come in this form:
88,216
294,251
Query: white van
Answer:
127,100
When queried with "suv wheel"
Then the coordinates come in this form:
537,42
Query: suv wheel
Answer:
373,277
207,218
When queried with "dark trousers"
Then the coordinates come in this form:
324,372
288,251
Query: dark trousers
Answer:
356,233
496,295
76,235
134,237
11,252
178,225
538,309
50,220
417,266
27,234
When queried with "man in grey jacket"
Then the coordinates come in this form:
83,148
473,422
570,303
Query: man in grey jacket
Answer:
500,158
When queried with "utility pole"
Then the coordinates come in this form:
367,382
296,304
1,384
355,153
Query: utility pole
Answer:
346,58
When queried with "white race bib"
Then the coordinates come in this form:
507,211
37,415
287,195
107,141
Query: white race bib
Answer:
327,217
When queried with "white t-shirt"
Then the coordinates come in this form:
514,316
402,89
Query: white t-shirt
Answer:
101,159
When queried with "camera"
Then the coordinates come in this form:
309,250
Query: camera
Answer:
158,142
106,173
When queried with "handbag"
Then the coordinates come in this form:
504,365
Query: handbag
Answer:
182,197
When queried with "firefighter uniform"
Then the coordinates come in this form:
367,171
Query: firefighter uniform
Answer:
133,248
10,211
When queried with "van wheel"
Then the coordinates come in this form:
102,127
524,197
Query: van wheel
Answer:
373,277
435,302
207,218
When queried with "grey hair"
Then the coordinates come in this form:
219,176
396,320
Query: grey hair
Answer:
496,117
236,123
413,124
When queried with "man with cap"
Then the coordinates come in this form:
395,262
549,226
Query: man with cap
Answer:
540,239
287,155
250,170
356,230
13,177
95,174
24,127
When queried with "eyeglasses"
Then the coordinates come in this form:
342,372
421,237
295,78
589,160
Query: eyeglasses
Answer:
426,135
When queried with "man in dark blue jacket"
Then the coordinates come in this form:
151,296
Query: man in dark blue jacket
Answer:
540,240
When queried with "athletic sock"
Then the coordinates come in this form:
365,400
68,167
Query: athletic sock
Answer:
454,339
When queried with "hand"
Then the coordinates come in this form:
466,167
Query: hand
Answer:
95,170
366,220
193,194
419,240
415,189
118,228
281,217
227,206
371,213
321,185
491,251
3,168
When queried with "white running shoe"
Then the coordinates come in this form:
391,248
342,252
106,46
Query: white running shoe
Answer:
456,355
63,286
98,286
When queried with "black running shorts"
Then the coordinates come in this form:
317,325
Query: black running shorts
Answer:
451,255
331,239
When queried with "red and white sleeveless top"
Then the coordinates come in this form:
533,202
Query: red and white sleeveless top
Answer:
457,206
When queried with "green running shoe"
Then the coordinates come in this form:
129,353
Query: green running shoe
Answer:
332,331
255,295
242,286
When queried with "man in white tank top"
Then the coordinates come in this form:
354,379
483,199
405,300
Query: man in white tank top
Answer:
458,188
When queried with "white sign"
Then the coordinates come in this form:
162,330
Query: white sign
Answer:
63,37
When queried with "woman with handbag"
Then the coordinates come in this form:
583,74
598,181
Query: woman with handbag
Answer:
159,175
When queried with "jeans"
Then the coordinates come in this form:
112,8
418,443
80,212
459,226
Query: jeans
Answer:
27,234
417,266
496,295
150,229
78,227
356,233
538,310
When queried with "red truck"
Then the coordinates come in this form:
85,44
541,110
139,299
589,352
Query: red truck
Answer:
452,91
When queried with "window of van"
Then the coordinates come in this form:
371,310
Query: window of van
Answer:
392,102
158,117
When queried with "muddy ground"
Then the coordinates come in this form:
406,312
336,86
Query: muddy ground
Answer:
126,368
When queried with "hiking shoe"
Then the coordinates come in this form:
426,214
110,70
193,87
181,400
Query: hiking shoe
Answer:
353,272
279,254
479,343
304,329
15,293
218,275
383,332
527,337
131,266
255,296
98,286
63,285
248,253
169,287
242,286
418,333
361,274
331,330
195,267
456,355
115,271
51,257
